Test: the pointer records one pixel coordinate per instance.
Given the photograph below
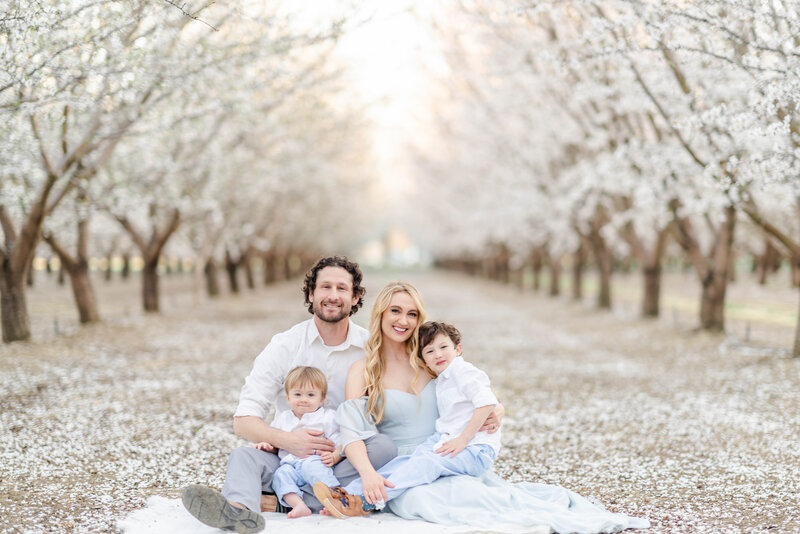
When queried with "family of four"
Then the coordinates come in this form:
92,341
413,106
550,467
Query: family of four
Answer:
390,417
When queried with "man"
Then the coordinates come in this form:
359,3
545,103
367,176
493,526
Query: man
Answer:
329,341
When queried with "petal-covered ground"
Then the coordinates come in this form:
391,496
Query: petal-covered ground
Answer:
696,432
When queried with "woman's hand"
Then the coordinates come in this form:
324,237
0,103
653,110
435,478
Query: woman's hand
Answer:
453,446
263,446
374,487
492,423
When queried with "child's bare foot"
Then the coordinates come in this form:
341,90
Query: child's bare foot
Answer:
299,511
299,508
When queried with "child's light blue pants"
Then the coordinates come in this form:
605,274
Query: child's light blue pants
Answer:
289,478
424,466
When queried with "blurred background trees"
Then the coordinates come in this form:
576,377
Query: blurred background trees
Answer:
557,137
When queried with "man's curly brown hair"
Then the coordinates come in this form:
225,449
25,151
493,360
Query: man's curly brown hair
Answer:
335,261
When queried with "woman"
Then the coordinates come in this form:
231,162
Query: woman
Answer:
389,392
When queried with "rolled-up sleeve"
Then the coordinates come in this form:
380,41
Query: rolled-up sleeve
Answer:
265,381
353,422
476,386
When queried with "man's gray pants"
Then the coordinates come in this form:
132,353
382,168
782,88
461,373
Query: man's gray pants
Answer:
250,471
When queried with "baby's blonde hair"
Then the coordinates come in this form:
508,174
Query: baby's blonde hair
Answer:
306,376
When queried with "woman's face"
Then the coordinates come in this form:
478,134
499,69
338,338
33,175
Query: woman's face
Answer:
400,319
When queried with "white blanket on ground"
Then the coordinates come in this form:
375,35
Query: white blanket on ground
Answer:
168,516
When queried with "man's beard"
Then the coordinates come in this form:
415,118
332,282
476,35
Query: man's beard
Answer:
319,311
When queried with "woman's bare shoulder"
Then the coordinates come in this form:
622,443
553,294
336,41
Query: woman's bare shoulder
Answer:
357,367
354,386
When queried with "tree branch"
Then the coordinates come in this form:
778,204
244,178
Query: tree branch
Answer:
68,261
48,166
190,15
160,239
136,237
751,211
684,235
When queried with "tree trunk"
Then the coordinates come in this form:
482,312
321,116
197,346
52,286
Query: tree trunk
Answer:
651,304
150,285
151,252
16,254
796,348
270,268
29,274
13,308
212,280
501,264
247,264
78,269
554,264
126,266
287,266
536,266
107,273
712,303
603,259
232,268
84,294
578,263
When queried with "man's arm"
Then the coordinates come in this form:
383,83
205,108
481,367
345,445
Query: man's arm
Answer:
261,388
300,443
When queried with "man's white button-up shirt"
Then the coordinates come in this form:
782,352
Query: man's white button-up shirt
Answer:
300,345
460,389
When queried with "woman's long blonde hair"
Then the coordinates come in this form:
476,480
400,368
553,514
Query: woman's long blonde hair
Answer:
376,362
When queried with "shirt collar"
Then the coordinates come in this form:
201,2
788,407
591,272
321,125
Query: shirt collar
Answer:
352,339
447,372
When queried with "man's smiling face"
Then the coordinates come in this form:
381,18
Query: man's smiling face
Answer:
333,297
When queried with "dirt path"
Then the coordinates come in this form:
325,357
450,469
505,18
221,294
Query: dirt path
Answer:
693,432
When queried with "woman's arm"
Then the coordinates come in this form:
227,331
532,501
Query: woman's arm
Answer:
374,485
492,423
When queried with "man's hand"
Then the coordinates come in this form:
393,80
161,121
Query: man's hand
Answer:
330,459
374,487
492,423
263,446
305,442
453,447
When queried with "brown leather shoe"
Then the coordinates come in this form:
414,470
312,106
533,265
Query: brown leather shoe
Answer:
322,492
338,502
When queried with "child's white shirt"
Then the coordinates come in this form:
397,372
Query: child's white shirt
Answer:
321,419
460,390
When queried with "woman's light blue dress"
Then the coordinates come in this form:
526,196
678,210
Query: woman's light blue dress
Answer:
487,502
